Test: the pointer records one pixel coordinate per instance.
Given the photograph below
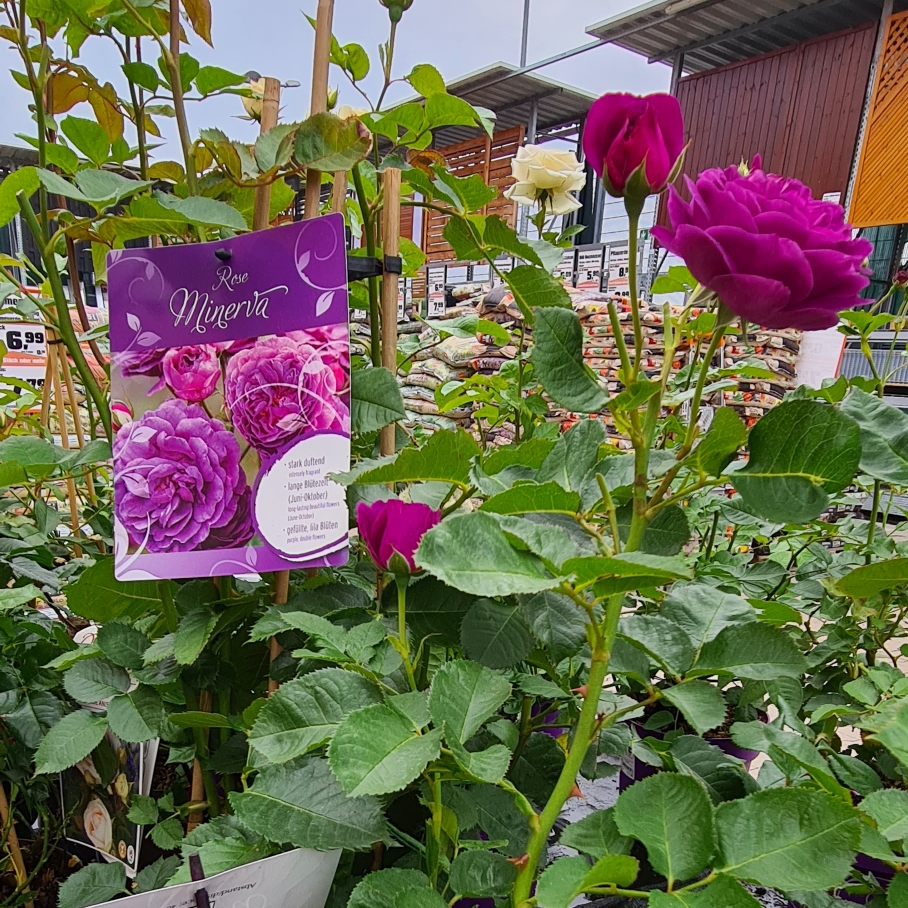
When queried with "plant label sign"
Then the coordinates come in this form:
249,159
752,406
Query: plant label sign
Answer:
230,381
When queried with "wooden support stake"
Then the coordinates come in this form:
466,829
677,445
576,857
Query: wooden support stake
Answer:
339,193
197,788
12,843
271,104
319,102
389,288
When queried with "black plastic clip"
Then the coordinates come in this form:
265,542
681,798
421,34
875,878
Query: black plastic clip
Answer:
196,873
360,267
223,254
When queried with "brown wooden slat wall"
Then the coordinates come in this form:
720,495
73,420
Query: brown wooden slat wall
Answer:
800,108
491,158
881,186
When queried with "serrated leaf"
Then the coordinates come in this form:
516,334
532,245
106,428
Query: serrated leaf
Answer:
722,893
481,874
801,452
136,716
203,211
726,434
326,143
123,644
889,809
445,457
673,817
661,639
385,888
143,810
98,596
788,838
72,739
704,611
870,579
24,180
498,817
596,835
557,622
470,552
376,751
301,802
193,632
558,359
463,696
304,713
528,498
157,875
92,885
700,703
538,767
495,635
756,652
94,680
375,400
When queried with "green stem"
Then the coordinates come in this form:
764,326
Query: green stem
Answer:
374,325
402,629
583,735
65,326
618,334
633,217
610,511
171,618
641,474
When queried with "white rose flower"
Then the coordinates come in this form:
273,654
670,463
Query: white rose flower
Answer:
546,175
346,112
97,825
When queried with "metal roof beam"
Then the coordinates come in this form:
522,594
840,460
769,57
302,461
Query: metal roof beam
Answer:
800,13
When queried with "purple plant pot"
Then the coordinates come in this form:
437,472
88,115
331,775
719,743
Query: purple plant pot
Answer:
633,770
883,872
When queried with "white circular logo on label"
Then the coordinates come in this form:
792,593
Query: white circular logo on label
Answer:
299,512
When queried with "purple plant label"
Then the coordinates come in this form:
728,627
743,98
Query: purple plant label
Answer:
230,378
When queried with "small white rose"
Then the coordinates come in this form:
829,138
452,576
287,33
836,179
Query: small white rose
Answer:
97,825
346,112
254,104
555,171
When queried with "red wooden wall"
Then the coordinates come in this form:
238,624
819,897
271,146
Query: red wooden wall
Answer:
799,107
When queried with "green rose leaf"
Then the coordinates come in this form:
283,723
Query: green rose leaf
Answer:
93,885
538,766
627,571
527,498
801,452
136,716
870,579
436,610
700,703
445,457
498,817
756,652
304,713
596,835
724,437
385,888
481,874
25,180
88,137
889,808
704,611
470,552
213,78
194,631
558,359
72,739
375,400
377,751
325,142
495,635
673,817
463,696
788,839
567,878
884,436
204,211
123,644
156,875
557,622
724,892
659,638
94,680
301,802
98,596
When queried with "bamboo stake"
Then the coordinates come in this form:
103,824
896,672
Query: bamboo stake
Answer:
390,289
339,193
319,102
197,789
12,841
80,434
271,103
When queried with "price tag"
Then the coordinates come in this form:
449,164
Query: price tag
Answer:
23,338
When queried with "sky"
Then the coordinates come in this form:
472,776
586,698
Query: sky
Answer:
457,36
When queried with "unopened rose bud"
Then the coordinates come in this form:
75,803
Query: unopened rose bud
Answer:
396,8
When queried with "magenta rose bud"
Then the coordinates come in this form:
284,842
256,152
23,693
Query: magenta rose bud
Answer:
394,527
771,253
178,477
281,390
192,373
628,133
901,278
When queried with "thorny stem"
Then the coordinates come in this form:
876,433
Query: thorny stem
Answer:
402,630
633,217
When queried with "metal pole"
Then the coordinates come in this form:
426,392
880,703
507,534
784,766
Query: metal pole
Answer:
531,124
677,72
525,38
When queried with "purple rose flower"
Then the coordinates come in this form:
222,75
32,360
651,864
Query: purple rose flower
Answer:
178,477
281,390
146,362
771,253
238,530
192,373
394,526
626,132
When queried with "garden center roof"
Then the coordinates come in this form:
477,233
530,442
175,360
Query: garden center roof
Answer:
711,33
559,108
